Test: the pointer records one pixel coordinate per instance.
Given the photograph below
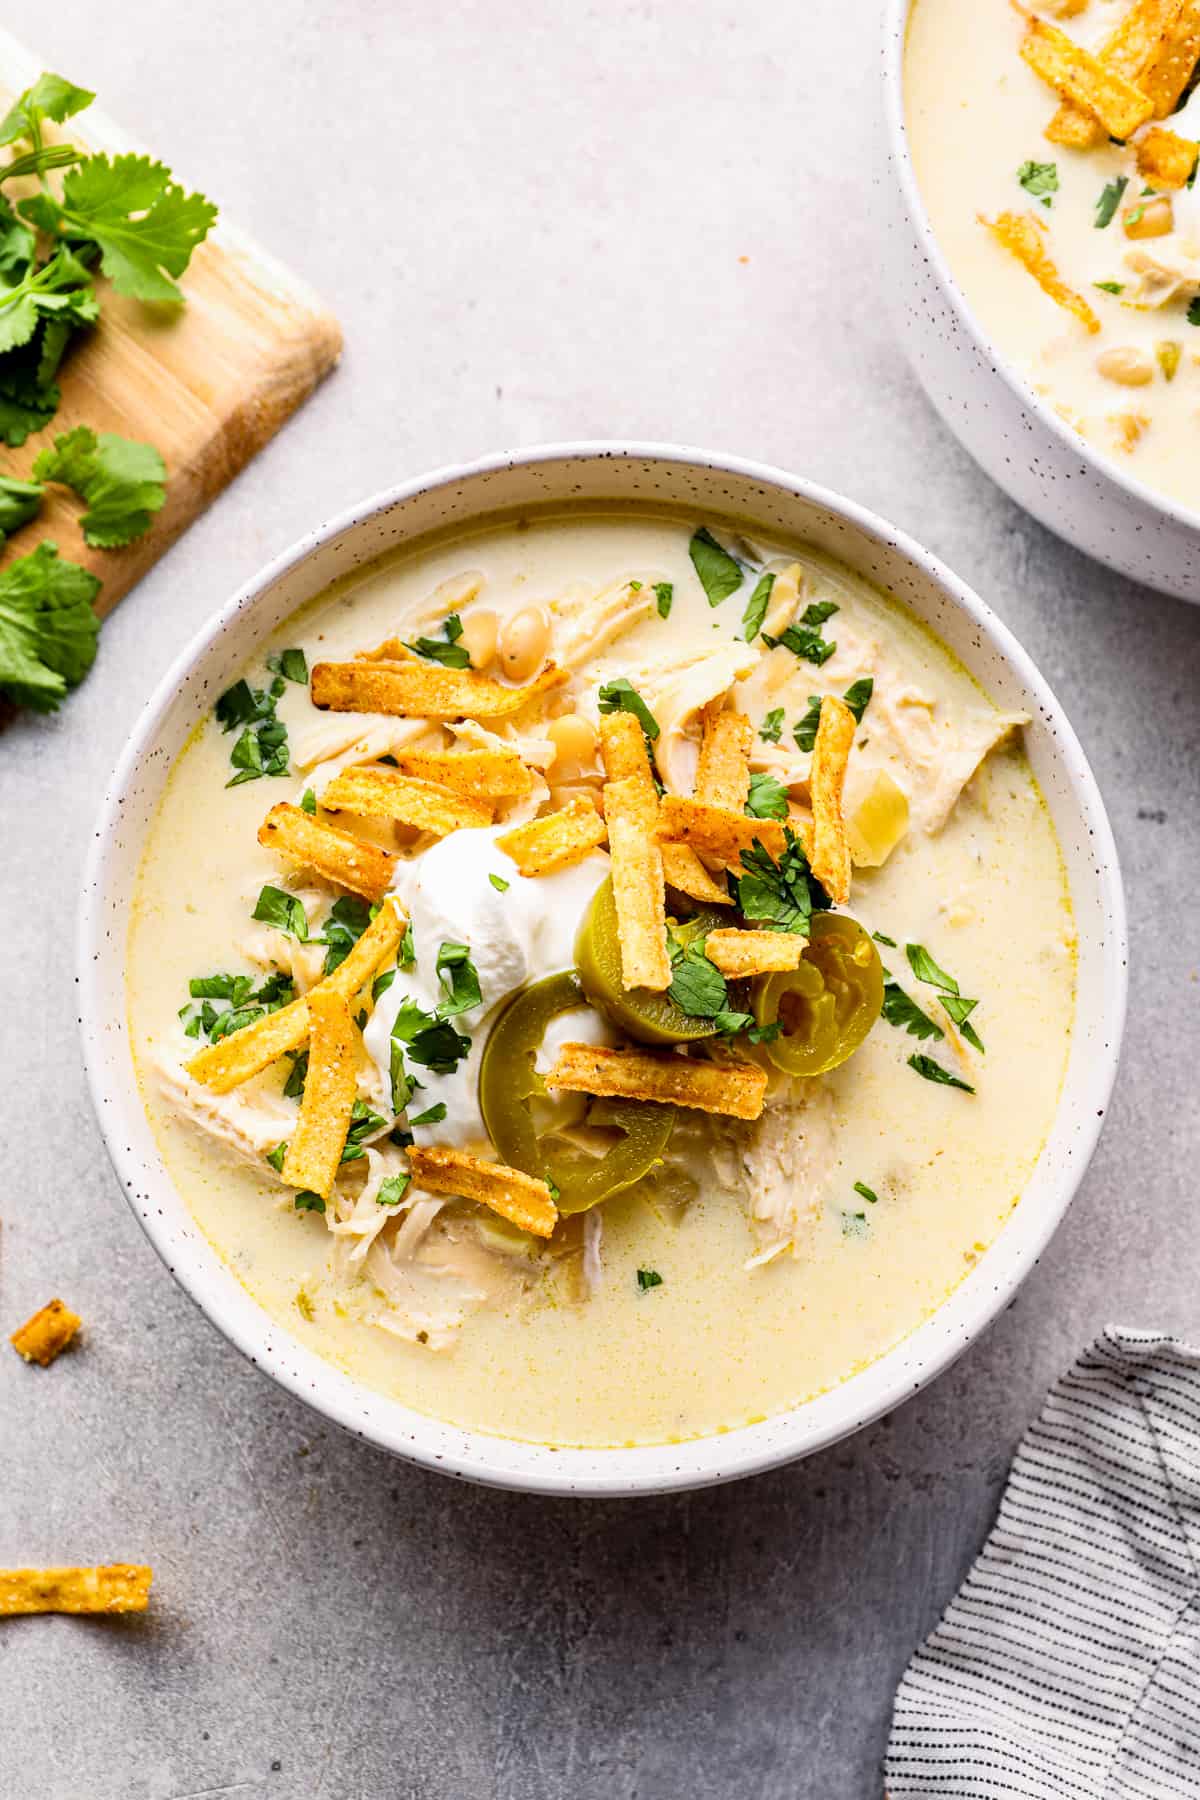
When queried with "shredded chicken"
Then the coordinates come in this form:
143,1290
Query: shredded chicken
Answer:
268,948
593,1266
432,1275
592,622
677,699
248,1122
780,1163
1163,278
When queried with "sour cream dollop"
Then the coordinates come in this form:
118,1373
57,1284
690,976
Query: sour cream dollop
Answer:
516,935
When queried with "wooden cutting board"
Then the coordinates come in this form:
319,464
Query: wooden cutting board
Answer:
208,383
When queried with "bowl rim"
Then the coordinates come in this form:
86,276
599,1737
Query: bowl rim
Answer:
730,1454
899,13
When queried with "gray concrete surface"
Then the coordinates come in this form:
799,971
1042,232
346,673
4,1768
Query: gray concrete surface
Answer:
536,221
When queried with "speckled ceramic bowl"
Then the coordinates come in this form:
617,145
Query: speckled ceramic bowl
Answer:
1070,486
697,484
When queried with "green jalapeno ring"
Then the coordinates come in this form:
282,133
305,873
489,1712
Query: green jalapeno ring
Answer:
647,1017
828,1004
509,1081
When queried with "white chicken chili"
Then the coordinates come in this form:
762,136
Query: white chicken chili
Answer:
602,980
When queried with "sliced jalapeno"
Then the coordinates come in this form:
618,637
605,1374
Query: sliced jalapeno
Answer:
650,1018
826,1007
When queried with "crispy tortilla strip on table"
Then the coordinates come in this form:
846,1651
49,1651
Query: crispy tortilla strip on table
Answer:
315,1149
555,841
337,855
638,888
385,793
684,871
715,831
723,771
1144,34
741,953
418,690
830,853
481,774
521,1199
733,1088
1165,159
47,1334
1022,236
231,1060
111,1588
1083,78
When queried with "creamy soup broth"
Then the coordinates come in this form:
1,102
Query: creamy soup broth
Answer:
717,1343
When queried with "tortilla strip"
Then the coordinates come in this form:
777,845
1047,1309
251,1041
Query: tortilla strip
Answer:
638,887
741,953
47,1334
315,1149
481,774
723,772
733,1088
683,870
521,1199
1079,76
1166,159
386,794
111,1588
555,841
234,1059
1173,63
337,855
1131,51
623,748
1021,234
418,690
830,853
716,831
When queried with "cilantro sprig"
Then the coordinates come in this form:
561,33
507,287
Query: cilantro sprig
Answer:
720,573
620,695
48,629
803,637
447,649
262,745
783,895
953,1001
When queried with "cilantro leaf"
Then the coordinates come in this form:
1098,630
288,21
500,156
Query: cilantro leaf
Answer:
362,1123
1039,179
392,1191
26,404
881,939
121,481
307,1201
20,501
925,969
293,1087
48,629
1110,199
275,1157
282,910
262,748
348,918
61,290
960,1009
51,97
433,1115
459,977
664,597
1110,287
498,882
804,639
858,696
771,729
779,896
308,802
767,798
438,1047
805,729
445,650
698,987
291,664
647,1279
933,1071
620,695
720,575
904,1013
142,221
756,607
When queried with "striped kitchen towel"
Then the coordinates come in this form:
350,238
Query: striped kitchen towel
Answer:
1068,1666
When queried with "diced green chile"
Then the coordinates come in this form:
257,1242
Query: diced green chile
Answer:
509,1083
827,1006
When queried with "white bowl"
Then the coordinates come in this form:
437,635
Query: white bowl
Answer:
1070,486
698,484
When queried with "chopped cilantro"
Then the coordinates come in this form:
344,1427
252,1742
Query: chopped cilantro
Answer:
698,987
767,798
764,1034
1039,179
881,939
756,607
904,1013
291,664
282,910
406,956
445,650
771,728
858,696
868,1194
664,597
433,1115
1110,199
363,1122
459,977
925,969
307,1201
620,695
498,882
933,1071
805,730
275,1157
308,802
392,1191
262,748
348,918
804,640
720,574
293,1087
1110,287
648,1278
779,896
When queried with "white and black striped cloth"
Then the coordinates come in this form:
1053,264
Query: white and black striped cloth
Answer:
1068,1665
